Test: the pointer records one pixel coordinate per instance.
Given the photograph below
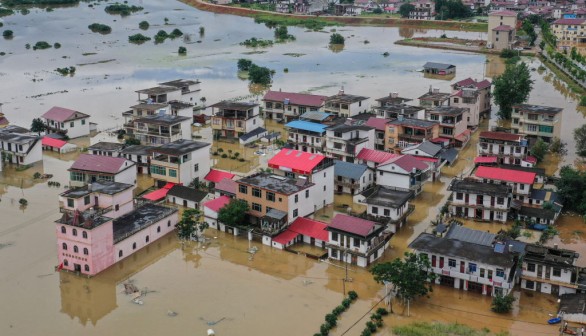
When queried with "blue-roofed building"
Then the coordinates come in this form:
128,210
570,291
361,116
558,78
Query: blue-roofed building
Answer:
306,136
352,178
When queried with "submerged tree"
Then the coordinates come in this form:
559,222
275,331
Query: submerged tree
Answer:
234,213
580,138
502,304
405,9
190,225
38,126
512,87
539,149
336,38
244,64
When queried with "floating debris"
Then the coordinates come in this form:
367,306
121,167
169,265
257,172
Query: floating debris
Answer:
171,313
137,301
130,288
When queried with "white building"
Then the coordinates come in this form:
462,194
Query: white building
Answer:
521,182
186,197
234,119
290,105
352,178
19,147
387,206
507,148
182,90
480,201
549,270
210,211
403,172
474,96
344,142
106,148
181,162
159,129
139,154
345,105
68,122
91,168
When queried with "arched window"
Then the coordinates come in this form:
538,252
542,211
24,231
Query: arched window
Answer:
84,234
146,239
64,246
120,254
85,251
63,229
65,262
134,246
74,232
87,268
75,249
158,229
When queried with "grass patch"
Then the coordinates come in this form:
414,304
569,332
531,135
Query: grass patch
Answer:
257,43
441,329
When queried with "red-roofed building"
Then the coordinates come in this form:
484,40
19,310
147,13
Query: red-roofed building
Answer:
53,144
366,240
372,158
226,187
404,172
485,160
65,121
520,181
473,95
212,208
304,230
215,176
289,106
508,148
90,168
316,168
501,29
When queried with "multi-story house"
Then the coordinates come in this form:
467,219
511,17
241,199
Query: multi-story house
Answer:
344,142
289,106
507,148
394,111
423,10
140,155
473,95
92,168
434,98
356,241
100,226
480,201
502,27
453,123
536,121
471,260
19,147
346,105
182,90
387,206
569,32
315,168
403,172
372,158
352,178
159,129
275,201
181,162
306,136
234,119
380,128
317,117
549,270
403,132
392,99
106,148
68,122
520,182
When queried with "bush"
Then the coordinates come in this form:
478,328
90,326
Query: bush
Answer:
508,53
122,9
382,311
224,156
8,34
161,36
256,43
377,11
138,38
182,51
66,71
144,25
444,36
22,201
132,141
502,304
336,38
215,153
220,150
202,30
338,310
346,303
41,45
100,28
241,160
244,65
37,175
56,45
366,332
176,33
352,295
371,326
324,329
332,319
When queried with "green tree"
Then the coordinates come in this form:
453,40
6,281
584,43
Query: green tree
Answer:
259,75
234,213
580,138
512,87
539,149
411,277
557,146
244,64
132,141
336,38
182,51
377,10
405,9
38,126
502,304
451,9
8,34
190,225
572,189
144,25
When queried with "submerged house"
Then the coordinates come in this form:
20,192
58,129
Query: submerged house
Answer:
68,122
443,69
92,168
19,147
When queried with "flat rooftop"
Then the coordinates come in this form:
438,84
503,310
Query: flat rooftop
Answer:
157,90
476,187
106,146
16,136
386,197
413,123
103,187
138,150
163,119
139,219
149,107
448,110
232,105
276,183
435,96
179,83
180,147
399,108
538,109
345,98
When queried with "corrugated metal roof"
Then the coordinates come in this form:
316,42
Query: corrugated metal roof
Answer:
355,225
376,156
478,237
315,115
297,161
307,126
295,98
99,163
216,176
348,169
508,175
218,203
62,114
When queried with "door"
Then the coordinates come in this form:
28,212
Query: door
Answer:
77,267
547,272
340,189
185,203
462,267
555,290
96,203
539,271
478,214
433,261
441,263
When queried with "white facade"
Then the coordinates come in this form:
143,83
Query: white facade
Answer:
480,207
346,145
181,167
20,149
363,252
301,205
351,186
74,128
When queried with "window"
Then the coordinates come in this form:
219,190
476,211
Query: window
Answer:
472,267
307,193
324,188
489,274
546,129
86,200
295,213
375,210
116,207
75,249
256,207
289,174
459,196
500,272
84,234
74,232
557,272
380,172
71,124
63,229
335,254
530,267
296,198
532,128
256,192
334,236
64,246
172,173
83,121
168,223
86,251
356,242
387,212
65,262
86,268
158,229
70,203
243,189
270,196
521,187
196,167
452,262
456,100
120,254
529,284
147,239
134,246
500,200
158,170
482,270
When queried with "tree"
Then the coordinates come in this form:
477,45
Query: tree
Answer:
234,213
557,146
411,277
377,10
512,87
38,126
8,34
580,138
539,149
572,189
244,64
182,51
405,9
336,38
502,304
190,225
132,141
451,9
259,75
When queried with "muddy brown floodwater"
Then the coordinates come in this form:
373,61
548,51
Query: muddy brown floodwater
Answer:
219,284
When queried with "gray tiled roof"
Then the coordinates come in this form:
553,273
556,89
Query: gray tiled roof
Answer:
348,169
464,234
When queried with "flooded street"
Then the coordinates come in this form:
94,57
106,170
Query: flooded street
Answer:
219,284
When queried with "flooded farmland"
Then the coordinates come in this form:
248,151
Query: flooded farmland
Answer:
218,284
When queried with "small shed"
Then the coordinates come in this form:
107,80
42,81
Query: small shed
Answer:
439,68
185,196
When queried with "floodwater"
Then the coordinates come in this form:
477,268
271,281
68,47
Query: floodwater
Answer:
272,292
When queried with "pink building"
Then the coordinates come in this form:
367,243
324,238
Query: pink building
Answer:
100,226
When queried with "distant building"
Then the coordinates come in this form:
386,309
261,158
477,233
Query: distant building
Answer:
234,119
536,121
346,105
473,95
352,178
434,98
181,162
424,10
453,123
68,122
19,147
502,29
306,136
106,148
159,129
182,90
92,168
441,69
289,106
569,32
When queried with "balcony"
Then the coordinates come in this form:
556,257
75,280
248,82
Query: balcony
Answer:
347,184
388,220
376,244
414,137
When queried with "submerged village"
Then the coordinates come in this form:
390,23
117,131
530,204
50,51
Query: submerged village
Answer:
376,206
